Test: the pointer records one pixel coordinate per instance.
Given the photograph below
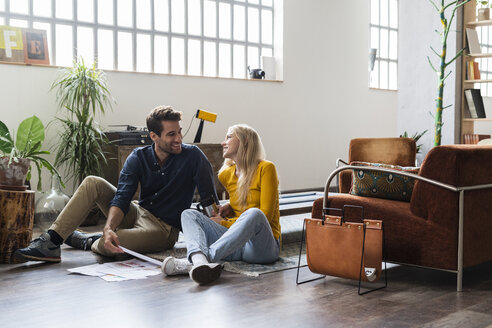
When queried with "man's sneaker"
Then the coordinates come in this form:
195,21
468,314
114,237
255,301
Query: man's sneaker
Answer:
206,273
81,240
40,249
173,266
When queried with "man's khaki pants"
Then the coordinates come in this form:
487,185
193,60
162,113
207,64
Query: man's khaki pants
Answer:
139,230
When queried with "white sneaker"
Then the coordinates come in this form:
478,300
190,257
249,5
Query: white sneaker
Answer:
370,274
206,273
173,266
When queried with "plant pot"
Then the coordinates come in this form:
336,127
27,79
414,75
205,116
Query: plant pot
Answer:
483,14
13,176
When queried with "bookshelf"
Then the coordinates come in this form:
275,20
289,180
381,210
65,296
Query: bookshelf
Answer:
470,21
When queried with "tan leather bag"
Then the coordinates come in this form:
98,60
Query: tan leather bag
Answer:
345,249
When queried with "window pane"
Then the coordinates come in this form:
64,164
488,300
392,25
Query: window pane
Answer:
125,53
19,6
384,43
267,2
374,76
161,15
2,6
177,56
85,10
253,25
46,27
375,12
266,26
267,52
41,8
224,20
374,37
384,12
209,56
210,20
224,60
393,76
85,44
143,14
177,16
194,17
64,47
125,14
64,9
18,23
383,75
2,21
239,23
256,2
253,57
239,62
105,12
393,18
105,49
393,50
194,57
143,53
161,54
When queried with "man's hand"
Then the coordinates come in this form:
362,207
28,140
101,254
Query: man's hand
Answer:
225,210
111,242
216,219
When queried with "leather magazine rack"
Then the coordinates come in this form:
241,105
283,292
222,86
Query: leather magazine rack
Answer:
345,249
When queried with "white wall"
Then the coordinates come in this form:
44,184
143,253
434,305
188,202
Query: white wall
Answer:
306,122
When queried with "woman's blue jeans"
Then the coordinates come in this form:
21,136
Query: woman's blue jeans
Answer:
249,239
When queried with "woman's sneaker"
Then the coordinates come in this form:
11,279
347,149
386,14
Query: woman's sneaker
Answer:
173,266
81,240
206,273
40,249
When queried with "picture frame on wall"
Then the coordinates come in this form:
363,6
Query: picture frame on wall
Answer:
35,47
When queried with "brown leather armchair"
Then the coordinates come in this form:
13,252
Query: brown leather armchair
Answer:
447,224
394,151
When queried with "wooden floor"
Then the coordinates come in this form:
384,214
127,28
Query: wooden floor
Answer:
46,295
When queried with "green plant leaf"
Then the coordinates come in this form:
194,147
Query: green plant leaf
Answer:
30,136
6,142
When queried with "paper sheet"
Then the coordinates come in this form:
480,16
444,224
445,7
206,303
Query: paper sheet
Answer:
119,271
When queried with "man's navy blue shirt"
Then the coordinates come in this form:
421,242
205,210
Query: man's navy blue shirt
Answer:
168,190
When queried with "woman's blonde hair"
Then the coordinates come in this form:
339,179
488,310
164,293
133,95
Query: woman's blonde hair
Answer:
249,154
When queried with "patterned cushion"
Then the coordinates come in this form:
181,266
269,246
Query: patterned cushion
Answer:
382,184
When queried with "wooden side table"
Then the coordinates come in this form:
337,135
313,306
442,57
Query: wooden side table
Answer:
16,222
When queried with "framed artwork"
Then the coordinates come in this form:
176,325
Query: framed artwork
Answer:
35,47
11,44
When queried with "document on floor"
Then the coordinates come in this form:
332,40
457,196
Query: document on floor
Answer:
119,271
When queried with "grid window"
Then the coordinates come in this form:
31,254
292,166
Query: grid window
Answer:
383,34
194,37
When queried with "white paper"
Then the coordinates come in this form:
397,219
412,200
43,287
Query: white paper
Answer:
141,256
119,271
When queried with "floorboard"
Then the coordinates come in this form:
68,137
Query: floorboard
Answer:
46,295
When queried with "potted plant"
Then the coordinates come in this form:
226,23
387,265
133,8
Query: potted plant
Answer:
484,11
82,91
17,155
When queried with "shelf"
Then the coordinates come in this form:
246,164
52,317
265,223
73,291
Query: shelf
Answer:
479,23
477,119
479,55
478,81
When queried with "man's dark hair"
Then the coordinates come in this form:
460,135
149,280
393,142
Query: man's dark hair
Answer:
159,114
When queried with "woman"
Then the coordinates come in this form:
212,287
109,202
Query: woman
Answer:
247,228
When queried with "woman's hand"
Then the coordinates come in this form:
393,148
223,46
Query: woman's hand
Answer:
226,210
216,218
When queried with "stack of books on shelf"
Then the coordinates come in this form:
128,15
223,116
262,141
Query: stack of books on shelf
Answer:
472,71
473,139
474,104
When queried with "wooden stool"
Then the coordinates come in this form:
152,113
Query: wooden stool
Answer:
16,221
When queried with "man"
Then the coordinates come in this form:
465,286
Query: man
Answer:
168,172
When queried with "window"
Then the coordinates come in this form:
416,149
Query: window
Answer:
191,37
384,39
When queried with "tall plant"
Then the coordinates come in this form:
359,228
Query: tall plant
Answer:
82,91
441,71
